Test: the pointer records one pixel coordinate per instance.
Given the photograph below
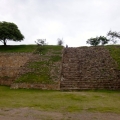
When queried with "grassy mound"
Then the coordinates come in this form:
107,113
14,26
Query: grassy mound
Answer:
17,48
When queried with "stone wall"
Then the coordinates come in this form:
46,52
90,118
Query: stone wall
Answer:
15,65
6,81
81,68
36,86
10,66
89,68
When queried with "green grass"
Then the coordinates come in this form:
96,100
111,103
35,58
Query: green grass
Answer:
46,48
54,47
39,64
17,48
55,58
41,68
115,53
90,101
29,48
34,78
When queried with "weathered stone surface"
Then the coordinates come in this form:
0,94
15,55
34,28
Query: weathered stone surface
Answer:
14,65
88,68
11,63
36,86
81,68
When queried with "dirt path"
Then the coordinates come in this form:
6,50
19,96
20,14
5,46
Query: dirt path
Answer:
31,114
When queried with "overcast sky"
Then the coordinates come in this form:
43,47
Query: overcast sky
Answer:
73,20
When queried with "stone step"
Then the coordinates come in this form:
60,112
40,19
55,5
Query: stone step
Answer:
72,77
71,64
69,68
71,81
86,68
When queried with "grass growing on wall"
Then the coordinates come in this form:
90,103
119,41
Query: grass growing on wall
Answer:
90,101
48,48
41,69
115,53
34,78
55,58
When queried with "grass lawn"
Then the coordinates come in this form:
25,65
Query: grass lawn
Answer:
90,101
17,48
29,48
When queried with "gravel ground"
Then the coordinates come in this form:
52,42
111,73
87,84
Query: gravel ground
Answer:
31,114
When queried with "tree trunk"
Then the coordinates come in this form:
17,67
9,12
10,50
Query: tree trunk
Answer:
4,41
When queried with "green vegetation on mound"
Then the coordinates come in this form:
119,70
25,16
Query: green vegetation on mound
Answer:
90,101
115,53
17,48
34,78
56,49
49,58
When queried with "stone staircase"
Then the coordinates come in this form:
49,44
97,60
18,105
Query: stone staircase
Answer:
88,68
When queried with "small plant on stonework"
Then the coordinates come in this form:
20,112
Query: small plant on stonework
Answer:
60,41
41,44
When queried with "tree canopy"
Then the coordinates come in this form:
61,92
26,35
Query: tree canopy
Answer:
96,41
9,31
41,42
113,35
93,41
60,41
103,40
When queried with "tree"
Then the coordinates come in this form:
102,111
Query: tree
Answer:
41,45
41,42
60,41
103,40
113,36
96,41
9,31
93,41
